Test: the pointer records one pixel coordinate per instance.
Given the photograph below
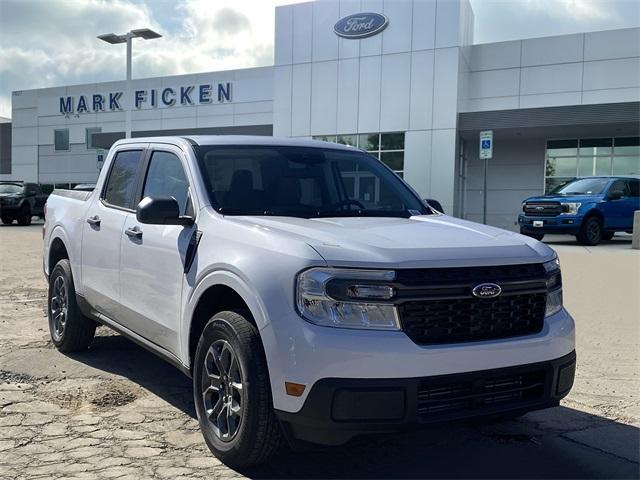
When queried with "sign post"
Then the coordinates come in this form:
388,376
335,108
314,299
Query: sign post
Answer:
486,152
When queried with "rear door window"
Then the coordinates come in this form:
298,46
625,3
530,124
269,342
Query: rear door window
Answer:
123,178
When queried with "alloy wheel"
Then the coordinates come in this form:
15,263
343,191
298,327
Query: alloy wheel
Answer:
222,390
59,307
593,231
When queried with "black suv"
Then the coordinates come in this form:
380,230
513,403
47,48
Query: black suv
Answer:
20,201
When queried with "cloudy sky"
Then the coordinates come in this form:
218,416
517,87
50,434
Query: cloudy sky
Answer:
47,43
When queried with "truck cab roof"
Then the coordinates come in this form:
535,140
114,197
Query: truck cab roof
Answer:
209,140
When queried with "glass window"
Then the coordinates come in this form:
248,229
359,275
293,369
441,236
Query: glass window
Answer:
348,140
369,141
89,132
594,157
583,186
394,160
603,166
61,139
122,179
392,141
166,177
634,188
11,188
585,166
562,167
620,186
302,182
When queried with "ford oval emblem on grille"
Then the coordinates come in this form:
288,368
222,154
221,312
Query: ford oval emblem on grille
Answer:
360,25
486,290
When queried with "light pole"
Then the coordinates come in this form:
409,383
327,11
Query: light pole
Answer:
127,38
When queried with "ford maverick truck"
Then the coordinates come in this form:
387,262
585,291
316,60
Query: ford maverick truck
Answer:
308,291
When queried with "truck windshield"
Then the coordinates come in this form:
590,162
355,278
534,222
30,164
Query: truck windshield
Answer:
10,188
303,182
584,186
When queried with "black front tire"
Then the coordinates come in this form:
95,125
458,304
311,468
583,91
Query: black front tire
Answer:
591,232
25,217
537,236
7,220
257,435
70,330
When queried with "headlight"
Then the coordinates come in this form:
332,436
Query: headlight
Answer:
554,302
552,265
570,208
554,286
346,298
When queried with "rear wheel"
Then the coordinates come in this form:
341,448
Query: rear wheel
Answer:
591,231
232,394
7,220
70,330
25,216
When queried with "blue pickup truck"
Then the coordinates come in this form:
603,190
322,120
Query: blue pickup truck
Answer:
593,209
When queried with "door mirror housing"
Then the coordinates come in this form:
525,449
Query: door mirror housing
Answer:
615,195
435,204
156,210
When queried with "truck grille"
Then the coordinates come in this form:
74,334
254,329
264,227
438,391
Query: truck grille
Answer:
542,209
469,394
472,319
436,306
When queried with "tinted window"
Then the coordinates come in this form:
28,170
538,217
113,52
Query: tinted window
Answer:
303,182
61,139
620,186
11,188
634,188
585,186
122,178
166,177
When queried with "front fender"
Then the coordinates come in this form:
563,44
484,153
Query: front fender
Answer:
229,279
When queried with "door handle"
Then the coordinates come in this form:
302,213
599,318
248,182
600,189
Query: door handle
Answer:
134,232
94,221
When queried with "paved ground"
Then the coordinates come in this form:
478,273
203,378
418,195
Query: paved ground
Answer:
119,412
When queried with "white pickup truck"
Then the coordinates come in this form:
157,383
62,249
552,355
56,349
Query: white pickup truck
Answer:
308,291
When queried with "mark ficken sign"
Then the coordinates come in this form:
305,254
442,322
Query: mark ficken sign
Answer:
204,94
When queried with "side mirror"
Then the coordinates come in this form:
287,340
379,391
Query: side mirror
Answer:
161,211
434,204
615,195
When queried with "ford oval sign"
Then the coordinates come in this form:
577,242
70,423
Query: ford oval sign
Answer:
360,25
486,290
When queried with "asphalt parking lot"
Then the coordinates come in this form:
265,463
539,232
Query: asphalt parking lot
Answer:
117,411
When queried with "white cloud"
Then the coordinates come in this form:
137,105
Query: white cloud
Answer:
53,42
46,43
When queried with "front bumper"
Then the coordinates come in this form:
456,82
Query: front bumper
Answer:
10,209
560,224
338,409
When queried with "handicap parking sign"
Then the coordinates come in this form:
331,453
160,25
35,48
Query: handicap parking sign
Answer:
486,144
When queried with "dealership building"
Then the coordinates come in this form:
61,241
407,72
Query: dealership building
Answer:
401,79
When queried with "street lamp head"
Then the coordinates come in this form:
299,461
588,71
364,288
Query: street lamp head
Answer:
145,33
112,38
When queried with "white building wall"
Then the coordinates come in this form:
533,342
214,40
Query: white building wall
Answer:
36,115
404,79
586,68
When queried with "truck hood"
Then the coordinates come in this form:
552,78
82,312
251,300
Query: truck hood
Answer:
566,198
419,241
